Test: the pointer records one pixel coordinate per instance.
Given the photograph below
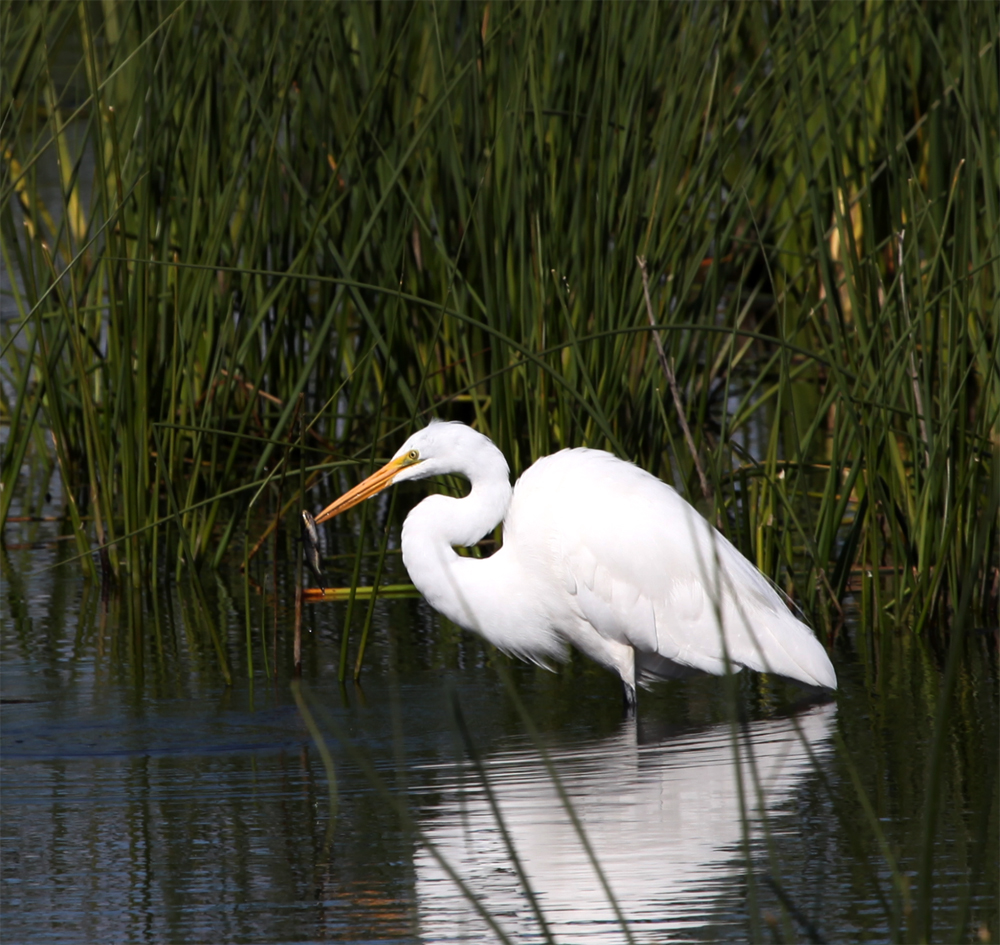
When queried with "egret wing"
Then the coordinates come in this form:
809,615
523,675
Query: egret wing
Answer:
645,569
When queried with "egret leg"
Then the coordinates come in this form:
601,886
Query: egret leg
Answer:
630,702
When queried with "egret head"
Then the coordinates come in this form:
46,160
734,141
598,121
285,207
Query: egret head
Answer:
438,449
442,448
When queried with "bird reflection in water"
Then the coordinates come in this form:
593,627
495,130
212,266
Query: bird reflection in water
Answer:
663,820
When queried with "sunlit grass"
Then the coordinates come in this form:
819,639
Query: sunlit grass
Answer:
218,216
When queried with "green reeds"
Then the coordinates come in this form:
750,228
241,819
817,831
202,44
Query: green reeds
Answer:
405,211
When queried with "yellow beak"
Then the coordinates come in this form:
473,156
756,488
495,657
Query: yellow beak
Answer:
373,485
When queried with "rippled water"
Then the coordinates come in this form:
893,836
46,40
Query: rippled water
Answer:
143,799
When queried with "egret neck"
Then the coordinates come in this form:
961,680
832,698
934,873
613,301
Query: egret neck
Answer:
439,524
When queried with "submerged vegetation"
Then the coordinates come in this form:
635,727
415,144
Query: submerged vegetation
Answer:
242,241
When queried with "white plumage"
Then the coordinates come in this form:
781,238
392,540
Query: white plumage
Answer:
596,553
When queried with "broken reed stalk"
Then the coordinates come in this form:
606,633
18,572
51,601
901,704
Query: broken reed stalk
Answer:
672,382
297,645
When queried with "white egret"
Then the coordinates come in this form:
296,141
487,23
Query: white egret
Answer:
596,553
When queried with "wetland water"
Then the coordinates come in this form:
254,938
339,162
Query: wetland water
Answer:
144,800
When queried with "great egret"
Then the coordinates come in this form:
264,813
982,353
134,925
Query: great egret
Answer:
596,553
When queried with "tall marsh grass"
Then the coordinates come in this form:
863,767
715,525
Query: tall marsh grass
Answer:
221,219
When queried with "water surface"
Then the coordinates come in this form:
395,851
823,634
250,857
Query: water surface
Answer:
144,799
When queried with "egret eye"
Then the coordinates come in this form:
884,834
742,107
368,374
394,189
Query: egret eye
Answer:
412,456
